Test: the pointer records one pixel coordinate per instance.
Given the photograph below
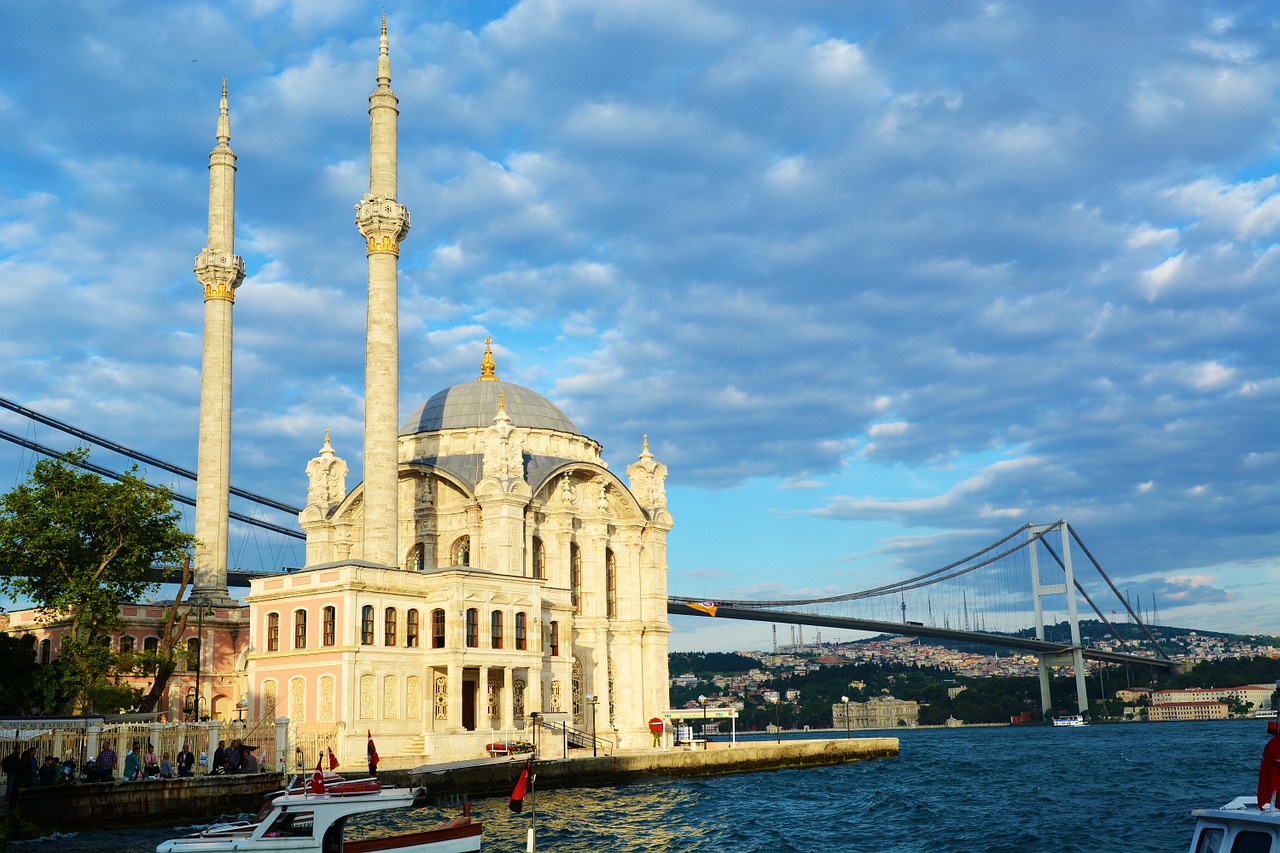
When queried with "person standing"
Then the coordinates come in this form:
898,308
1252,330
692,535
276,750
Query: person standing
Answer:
132,764
12,766
50,772
150,764
106,763
186,760
1269,772
218,763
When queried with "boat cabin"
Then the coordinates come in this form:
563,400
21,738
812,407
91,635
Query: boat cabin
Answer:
1237,827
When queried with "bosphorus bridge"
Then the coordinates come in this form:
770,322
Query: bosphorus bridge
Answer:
1015,593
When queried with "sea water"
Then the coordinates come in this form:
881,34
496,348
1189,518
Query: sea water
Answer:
1122,787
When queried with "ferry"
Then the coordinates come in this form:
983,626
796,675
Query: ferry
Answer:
312,819
1069,722
1238,825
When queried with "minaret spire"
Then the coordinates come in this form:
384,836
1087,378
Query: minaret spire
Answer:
383,222
220,271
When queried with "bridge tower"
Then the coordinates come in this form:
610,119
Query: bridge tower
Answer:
1074,658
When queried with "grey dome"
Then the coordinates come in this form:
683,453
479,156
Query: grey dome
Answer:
472,405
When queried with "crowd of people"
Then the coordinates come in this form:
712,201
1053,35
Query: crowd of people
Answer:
24,769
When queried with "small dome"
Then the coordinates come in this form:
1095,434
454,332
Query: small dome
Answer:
472,405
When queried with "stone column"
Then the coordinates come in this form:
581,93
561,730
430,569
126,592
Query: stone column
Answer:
484,721
215,733
282,742
455,697
506,706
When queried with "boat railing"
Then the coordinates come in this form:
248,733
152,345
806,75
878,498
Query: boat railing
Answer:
576,738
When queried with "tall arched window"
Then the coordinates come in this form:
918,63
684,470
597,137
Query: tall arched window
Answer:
575,577
366,625
330,626
437,628
473,628
389,627
416,557
460,555
495,629
522,629
411,628
554,637
273,632
539,558
193,653
299,629
46,650
127,643
610,583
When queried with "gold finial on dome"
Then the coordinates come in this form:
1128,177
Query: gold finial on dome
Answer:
502,402
486,364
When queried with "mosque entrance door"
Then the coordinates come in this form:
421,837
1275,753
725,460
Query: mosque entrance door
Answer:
469,705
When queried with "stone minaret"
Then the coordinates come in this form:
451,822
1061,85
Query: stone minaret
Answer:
220,271
383,222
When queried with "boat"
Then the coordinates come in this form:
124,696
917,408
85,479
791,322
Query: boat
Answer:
1069,722
313,819
1239,825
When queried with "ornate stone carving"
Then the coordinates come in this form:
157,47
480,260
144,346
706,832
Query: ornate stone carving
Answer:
613,718
555,695
575,683
297,700
326,714
367,690
383,223
220,273
413,697
390,697
269,700
442,696
503,447
648,477
328,476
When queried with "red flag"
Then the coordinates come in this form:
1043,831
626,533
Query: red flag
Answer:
316,785
517,795
373,753
333,760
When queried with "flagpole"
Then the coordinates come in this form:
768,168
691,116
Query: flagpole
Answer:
531,844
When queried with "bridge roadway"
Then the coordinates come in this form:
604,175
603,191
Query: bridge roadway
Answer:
677,606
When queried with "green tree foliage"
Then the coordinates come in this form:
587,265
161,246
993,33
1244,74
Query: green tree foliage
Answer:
77,546
28,687
1227,672
706,664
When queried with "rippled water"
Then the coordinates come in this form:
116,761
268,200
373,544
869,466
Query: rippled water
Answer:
999,790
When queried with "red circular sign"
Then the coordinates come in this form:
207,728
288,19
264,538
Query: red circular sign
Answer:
655,725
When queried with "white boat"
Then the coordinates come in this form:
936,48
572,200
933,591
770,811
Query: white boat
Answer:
1069,722
1237,826
298,821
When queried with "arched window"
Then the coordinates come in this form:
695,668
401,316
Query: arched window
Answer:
416,555
554,635
611,583
522,628
193,653
411,629
437,629
151,645
389,627
495,629
473,628
127,643
366,625
299,629
46,650
330,626
273,632
575,577
460,555
539,558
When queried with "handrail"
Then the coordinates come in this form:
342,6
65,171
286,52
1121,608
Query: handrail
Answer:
577,737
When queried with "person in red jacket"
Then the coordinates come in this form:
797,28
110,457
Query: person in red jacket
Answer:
1269,773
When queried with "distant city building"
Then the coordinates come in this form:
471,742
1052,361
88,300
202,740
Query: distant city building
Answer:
1256,696
1168,711
880,712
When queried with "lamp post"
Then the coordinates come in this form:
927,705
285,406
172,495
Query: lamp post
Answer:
202,605
702,700
848,733
594,700
777,720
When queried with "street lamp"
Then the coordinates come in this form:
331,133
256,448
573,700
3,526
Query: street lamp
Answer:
203,605
594,700
702,700
240,706
847,731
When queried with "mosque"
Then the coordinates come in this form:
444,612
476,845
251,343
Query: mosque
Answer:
490,566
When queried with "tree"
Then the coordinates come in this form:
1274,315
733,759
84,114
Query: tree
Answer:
77,546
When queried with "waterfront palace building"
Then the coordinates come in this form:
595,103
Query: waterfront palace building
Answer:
489,566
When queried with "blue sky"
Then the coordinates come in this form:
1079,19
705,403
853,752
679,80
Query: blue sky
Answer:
881,282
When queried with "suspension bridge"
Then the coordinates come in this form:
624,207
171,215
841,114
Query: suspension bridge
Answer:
1014,593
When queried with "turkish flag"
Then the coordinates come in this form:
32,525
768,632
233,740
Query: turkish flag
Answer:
522,784
316,785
